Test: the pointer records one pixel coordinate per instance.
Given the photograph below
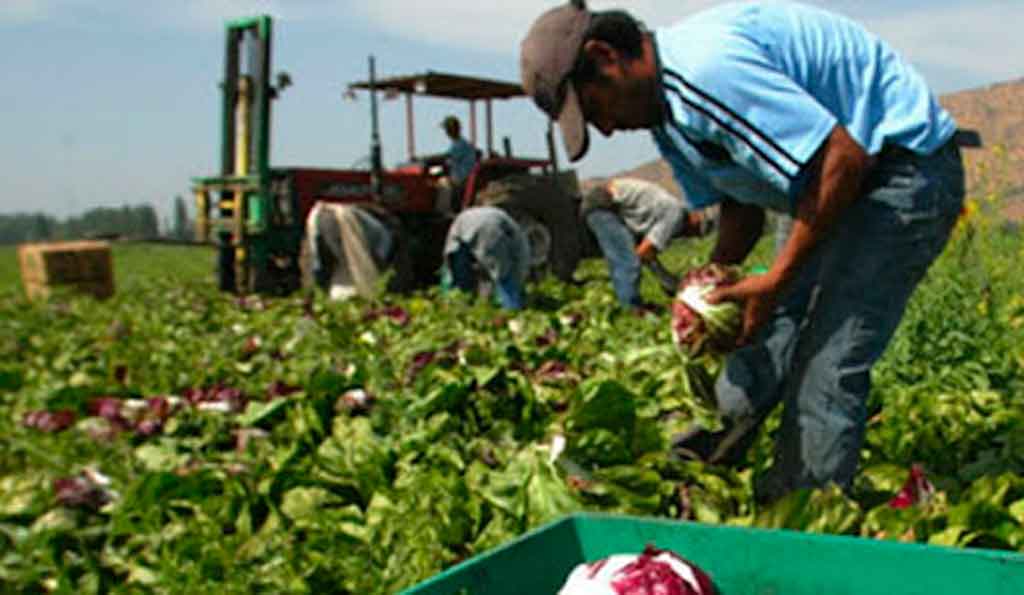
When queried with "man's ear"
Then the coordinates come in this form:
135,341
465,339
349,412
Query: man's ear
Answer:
601,53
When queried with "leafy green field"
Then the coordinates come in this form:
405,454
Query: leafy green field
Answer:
295,445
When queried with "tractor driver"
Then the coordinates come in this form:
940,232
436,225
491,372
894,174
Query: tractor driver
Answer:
460,158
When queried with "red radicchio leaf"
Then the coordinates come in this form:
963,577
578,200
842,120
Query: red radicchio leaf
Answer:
395,314
690,332
552,370
281,389
549,338
448,355
685,323
916,489
80,492
149,427
159,407
49,421
194,395
421,360
232,397
110,409
649,575
251,346
145,418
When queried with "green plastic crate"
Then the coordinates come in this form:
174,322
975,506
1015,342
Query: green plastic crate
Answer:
741,561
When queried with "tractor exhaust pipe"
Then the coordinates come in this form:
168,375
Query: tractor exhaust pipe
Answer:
376,168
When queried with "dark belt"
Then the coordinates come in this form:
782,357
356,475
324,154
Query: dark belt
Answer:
900,153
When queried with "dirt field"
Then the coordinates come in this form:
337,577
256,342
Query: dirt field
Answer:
1014,210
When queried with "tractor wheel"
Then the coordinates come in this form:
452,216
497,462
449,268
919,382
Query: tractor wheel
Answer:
539,237
280,274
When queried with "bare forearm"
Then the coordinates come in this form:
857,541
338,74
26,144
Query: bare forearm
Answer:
739,228
646,250
841,168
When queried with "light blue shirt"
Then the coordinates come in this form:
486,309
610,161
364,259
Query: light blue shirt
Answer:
461,159
752,90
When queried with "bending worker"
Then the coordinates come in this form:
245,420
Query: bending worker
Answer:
349,247
772,105
486,251
633,220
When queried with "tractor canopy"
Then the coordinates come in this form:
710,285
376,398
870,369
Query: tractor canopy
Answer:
459,87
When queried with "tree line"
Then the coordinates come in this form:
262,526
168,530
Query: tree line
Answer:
130,222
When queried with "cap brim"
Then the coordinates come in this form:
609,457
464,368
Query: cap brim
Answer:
573,126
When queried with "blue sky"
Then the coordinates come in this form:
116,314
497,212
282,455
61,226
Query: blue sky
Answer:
110,102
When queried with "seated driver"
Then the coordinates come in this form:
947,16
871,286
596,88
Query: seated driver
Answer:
460,158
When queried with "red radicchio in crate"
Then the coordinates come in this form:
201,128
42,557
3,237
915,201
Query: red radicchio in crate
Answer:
654,572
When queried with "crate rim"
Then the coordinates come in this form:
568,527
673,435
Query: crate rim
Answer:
574,519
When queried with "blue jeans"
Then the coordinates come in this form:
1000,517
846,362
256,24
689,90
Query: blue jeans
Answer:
465,276
836,319
619,249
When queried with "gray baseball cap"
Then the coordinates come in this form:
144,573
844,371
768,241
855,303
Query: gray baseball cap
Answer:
547,56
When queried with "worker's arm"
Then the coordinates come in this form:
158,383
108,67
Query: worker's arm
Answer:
669,217
834,183
739,227
646,250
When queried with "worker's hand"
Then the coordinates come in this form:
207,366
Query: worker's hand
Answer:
646,250
759,293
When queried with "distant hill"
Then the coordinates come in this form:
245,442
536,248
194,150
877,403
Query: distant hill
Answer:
996,111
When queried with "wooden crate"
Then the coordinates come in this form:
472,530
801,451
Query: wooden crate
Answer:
86,266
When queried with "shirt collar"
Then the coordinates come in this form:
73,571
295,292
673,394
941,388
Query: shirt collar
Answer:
663,108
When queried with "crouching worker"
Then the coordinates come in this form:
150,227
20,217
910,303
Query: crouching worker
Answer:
350,245
487,249
633,220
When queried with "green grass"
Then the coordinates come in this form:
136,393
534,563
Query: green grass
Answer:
137,264
134,264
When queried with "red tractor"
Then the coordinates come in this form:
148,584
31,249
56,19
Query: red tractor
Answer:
255,213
